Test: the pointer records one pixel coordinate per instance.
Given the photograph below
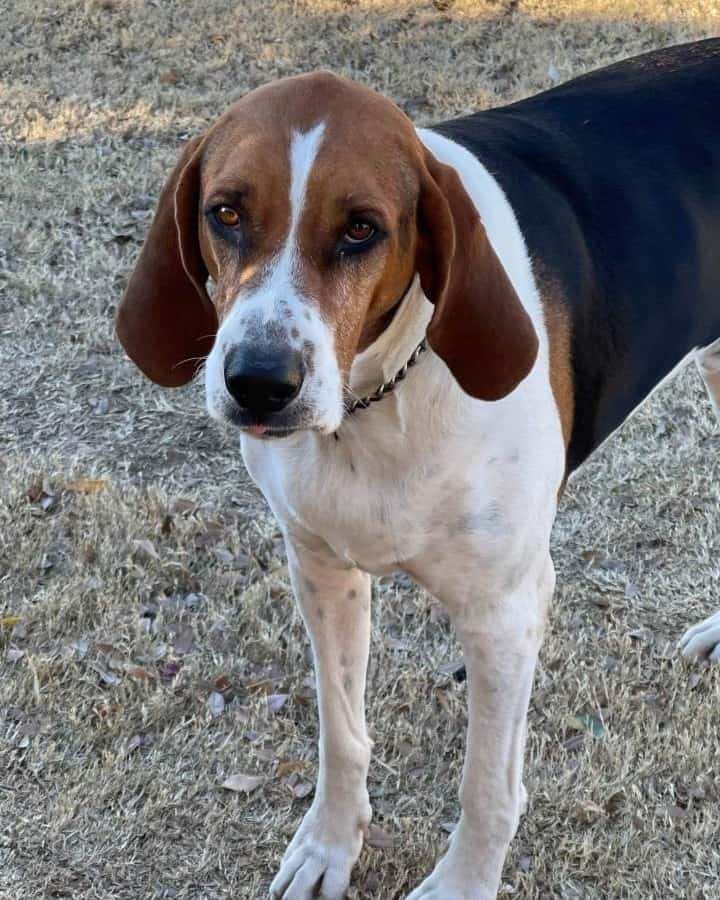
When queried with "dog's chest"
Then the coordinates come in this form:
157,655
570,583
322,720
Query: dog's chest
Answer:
366,519
382,511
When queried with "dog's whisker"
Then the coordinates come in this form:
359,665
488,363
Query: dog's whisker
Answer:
201,359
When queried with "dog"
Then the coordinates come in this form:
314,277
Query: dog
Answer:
420,334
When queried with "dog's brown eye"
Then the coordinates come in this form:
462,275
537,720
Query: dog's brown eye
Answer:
359,232
227,216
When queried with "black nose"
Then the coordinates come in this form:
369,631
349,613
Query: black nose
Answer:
263,382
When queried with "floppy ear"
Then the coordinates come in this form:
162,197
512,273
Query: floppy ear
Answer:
479,326
166,322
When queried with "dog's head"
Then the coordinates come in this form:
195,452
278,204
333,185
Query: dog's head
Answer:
312,204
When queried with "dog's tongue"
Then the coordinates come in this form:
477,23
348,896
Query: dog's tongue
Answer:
256,429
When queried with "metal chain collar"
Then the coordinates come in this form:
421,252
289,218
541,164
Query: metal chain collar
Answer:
388,386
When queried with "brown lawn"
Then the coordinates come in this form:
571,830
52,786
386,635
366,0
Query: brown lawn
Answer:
163,581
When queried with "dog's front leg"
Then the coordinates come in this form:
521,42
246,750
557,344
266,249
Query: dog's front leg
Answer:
335,605
500,633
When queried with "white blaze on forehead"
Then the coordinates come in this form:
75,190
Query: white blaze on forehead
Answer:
303,150
281,274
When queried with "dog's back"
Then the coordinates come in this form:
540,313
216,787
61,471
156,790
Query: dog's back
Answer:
615,180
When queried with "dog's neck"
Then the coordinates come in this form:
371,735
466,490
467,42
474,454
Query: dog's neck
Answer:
389,352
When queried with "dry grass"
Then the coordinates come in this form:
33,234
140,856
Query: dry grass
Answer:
134,599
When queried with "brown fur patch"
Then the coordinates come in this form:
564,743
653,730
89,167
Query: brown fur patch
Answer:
559,331
561,379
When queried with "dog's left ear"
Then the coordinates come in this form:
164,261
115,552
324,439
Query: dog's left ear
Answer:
166,321
479,326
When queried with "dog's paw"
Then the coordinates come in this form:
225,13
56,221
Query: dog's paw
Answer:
470,870
428,891
320,857
702,641
438,887
313,870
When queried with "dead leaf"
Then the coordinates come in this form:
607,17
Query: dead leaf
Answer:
47,502
86,485
192,601
170,669
158,651
262,685
574,742
9,621
393,643
166,526
289,766
169,76
455,668
79,649
34,491
224,555
266,754
615,802
599,560
140,673
147,548
184,641
444,703
135,742
243,783
225,687
276,702
302,789
216,703
586,722
587,812
645,635
106,676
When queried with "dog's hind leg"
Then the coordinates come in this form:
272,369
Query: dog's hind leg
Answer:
708,362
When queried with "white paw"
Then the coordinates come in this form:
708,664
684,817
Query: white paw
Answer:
702,641
436,887
428,891
454,878
320,858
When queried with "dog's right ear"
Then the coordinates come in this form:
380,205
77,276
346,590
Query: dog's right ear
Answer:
166,321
